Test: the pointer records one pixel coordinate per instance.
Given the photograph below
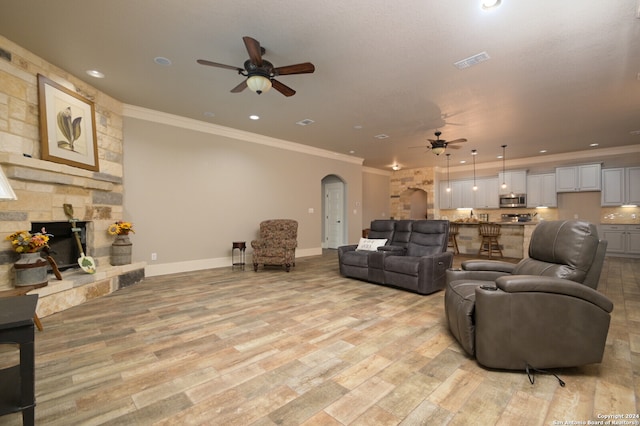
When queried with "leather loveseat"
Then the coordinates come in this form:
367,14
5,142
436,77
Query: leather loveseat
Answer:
543,312
414,258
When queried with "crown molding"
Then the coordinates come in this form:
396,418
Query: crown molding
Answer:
146,114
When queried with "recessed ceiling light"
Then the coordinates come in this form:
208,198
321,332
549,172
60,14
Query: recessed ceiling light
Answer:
395,167
499,156
305,122
352,152
254,117
490,4
593,144
160,60
381,136
208,114
95,73
542,151
463,161
358,127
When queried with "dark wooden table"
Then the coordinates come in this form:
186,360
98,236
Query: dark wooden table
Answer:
17,383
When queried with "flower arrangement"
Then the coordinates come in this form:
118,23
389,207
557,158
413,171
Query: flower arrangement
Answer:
121,228
26,242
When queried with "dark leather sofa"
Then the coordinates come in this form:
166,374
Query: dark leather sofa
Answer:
415,257
543,312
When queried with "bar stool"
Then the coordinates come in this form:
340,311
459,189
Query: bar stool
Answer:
453,240
489,233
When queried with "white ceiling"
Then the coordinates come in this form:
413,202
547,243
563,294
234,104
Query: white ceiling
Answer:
561,74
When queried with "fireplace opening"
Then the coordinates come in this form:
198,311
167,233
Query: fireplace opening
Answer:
63,245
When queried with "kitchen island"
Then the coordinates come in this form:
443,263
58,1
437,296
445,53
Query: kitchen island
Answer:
514,238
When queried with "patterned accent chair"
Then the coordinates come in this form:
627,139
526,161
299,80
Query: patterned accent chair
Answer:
276,244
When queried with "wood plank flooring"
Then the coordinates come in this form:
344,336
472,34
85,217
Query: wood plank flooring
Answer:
308,347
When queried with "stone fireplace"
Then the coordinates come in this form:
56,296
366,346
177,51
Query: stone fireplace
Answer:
43,187
63,247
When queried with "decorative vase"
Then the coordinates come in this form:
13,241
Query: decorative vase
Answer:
121,250
30,269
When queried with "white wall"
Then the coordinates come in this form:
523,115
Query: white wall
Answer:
192,188
376,194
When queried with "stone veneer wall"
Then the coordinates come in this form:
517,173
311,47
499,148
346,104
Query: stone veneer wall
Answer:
403,183
43,187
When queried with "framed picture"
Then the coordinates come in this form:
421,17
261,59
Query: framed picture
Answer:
67,126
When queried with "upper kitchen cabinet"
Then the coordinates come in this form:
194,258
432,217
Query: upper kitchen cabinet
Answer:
515,180
621,186
486,197
542,190
578,178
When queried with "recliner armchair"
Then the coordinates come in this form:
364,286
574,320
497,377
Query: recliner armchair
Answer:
543,312
276,244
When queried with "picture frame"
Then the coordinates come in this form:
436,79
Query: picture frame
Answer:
67,126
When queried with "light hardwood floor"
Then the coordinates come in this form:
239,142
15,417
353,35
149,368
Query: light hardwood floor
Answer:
306,347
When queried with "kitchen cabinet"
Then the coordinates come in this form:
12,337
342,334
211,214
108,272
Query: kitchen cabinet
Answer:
516,181
578,178
620,186
486,197
622,239
462,194
541,190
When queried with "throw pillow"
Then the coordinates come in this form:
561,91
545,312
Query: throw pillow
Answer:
369,244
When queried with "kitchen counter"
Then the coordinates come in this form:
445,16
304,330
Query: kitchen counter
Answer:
514,238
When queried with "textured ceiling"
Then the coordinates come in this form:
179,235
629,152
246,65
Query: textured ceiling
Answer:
561,74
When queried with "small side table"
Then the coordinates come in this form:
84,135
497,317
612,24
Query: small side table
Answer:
241,246
16,326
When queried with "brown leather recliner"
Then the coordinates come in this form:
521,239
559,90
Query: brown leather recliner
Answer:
543,312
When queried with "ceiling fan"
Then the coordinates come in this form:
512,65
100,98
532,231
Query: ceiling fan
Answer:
438,145
261,73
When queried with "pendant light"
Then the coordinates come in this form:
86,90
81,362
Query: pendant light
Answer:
504,174
473,154
448,180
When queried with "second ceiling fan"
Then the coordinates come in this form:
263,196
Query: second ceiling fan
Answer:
261,73
438,146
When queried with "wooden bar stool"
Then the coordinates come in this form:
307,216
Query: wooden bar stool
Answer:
453,240
489,243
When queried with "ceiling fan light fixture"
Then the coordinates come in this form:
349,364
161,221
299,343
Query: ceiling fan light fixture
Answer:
258,83
438,150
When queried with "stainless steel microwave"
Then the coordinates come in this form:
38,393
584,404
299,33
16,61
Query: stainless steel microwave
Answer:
513,200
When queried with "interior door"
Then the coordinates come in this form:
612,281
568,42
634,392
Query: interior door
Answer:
334,215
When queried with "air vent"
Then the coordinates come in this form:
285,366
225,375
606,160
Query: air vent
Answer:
381,136
472,60
305,122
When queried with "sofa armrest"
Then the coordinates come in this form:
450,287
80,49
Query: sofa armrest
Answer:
541,284
345,249
459,274
488,265
393,250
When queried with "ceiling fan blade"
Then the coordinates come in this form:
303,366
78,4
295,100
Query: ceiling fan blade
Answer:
253,47
453,147
304,68
215,64
285,90
457,141
240,87
420,146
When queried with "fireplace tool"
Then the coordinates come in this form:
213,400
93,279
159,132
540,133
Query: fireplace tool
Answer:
86,262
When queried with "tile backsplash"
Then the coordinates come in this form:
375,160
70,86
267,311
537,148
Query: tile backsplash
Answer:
621,215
